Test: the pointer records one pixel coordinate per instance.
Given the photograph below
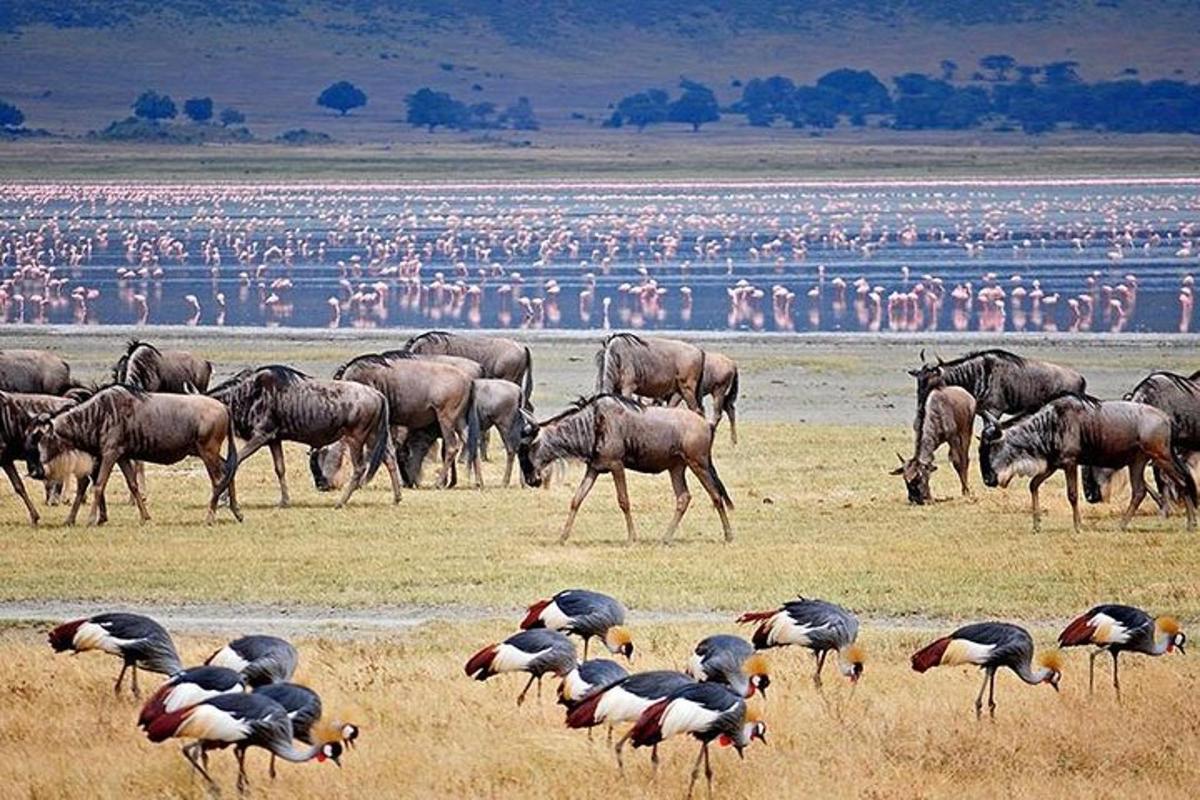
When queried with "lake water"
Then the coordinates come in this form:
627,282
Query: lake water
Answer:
1092,255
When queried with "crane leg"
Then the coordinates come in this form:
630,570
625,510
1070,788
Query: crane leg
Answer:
619,747
272,770
120,679
992,694
525,691
695,772
708,773
1092,670
136,693
242,781
610,734
1116,680
654,761
820,666
979,698
586,641
189,752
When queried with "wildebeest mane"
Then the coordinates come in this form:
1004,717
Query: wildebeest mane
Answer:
366,358
1178,381
284,374
134,344
427,335
1084,399
232,380
995,352
396,355
580,403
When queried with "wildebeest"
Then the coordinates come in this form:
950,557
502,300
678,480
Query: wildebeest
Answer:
144,366
17,414
34,372
419,393
1001,382
720,382
499,357
1074,429
653,367
274,404
1179,398
120,424
948,417
610,433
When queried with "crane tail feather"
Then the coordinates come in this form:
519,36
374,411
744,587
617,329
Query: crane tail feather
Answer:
647,730
164,726
1077,633
931,655
62,638
583,715
533,615
479,666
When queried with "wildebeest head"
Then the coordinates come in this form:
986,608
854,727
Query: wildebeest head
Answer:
1001,458
929,377
329,466
42,446
530,452
916,479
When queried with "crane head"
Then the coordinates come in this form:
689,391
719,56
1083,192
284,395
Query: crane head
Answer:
1052,661
330,751
759,670
618,640
1169,627
855,655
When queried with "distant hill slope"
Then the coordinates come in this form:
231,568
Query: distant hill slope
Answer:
75,65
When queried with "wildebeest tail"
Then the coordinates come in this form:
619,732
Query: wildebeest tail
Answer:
700,383
231,459
712,470
528,386
732,395
383,439
1184,477
472,428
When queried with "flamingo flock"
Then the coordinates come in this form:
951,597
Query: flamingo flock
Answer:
974,257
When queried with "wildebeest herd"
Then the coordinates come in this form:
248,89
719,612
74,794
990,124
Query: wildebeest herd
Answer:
1055,425
378,409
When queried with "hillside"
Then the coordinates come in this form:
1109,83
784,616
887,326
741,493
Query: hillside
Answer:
75,65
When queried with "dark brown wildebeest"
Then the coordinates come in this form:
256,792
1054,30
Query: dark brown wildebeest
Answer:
19,411
1074,429
34,372
948,418
1179,398
610,433
119,425
419,392
720,382
276,404
144,366
655,368
499,357
1001,382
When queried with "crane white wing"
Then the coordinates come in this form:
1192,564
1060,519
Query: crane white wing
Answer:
964,651
553,617
213,724
685,716
187,694
618,705
92,636
785,630
228,657
574,686
1108,630
513,659
695,667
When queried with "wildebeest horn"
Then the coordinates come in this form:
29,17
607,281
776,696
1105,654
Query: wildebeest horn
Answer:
900,457
938,357
922,355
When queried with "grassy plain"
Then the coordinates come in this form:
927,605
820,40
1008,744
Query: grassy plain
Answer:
816,513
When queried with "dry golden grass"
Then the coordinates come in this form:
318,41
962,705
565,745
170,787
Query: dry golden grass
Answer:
428,731
816,513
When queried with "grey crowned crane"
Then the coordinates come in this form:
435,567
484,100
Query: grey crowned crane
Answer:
1116,628
990,646
538,652
262,659
587,678
707,711
243,721
626,701
304,708
820,626
189,687
730,660
139,641
586,614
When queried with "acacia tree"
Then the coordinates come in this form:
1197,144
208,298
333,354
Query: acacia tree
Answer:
231,116
10,116
696,106
642,109
342,97
198,109
999,64
153,106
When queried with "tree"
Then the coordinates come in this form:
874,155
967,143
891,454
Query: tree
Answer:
949,68
231,116
519,115
999,64
10,116
765,99
696,106
198,109
1060,73
153,106
430,109
860,91
644,108
341,97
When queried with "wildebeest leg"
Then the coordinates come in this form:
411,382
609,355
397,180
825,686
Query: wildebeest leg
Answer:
718,399
14,478
618,474
106,465
960,457
1137,489
129,470
508,465
691,396
277,456
1034,485
139,483
360,470
585,486
702,475
1072,473
682,499
389,461
450,445
81,487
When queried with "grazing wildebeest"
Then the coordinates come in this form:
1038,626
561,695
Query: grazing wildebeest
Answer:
1074,429
1001,382
1179,398
610,433
720,382
655,368
17,414
34,372
275,404
144,366
472,369
119,425
419,392
948,417
499,357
